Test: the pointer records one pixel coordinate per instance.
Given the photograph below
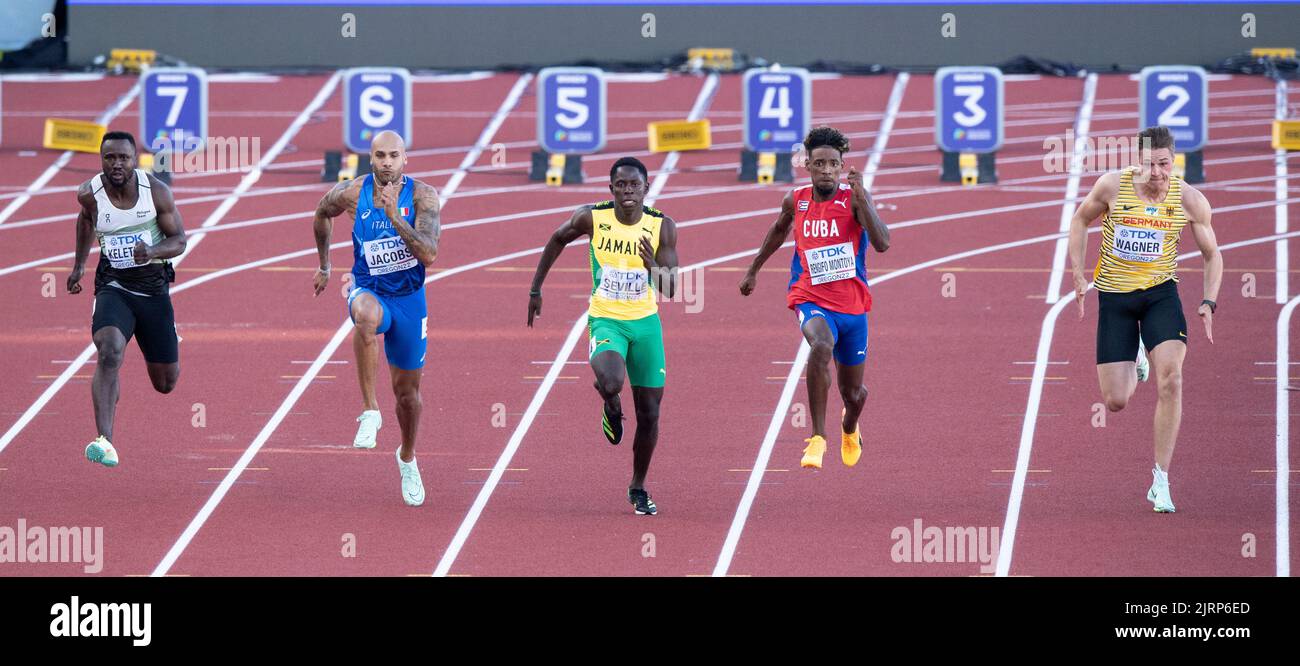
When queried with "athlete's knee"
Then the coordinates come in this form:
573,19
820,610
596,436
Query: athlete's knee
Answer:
821,351
853,394
1115,403
110,350
166,382
609,385
408,399
366,317
1170,381
647,412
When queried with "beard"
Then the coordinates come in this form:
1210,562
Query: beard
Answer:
824,190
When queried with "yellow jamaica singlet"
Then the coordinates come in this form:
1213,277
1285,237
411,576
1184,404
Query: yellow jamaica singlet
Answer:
1139,240
620,284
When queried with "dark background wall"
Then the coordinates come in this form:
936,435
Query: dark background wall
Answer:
489,36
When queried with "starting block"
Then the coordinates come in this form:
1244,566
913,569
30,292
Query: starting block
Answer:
75,135
766,167
556,168
1286,134
339,167
969,168
130,60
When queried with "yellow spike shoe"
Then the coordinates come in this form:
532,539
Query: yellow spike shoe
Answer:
812,454
851,447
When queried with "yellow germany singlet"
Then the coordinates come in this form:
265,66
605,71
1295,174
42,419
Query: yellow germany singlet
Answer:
620,284
1139,240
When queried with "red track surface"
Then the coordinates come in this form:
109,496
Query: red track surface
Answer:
947,375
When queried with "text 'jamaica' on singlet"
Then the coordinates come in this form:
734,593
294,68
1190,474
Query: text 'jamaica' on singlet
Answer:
620,284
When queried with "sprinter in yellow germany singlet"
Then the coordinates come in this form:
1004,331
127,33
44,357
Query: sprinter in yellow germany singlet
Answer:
633,255
1144,210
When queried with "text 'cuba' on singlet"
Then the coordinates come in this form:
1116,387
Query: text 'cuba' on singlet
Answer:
829,263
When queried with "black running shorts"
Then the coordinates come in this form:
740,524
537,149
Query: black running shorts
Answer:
1154,314
149,318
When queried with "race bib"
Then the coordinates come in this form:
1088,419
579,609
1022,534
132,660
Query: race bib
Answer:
1138,243
387,255
623,285
119,249
830,263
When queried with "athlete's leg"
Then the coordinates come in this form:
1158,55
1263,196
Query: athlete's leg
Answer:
110,345
164,376
647,402
1117,342
817,332
611,371
368,317
1167,361
406,389
155,333
112,325
853,392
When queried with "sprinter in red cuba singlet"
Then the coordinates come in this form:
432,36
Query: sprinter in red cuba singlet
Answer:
833,223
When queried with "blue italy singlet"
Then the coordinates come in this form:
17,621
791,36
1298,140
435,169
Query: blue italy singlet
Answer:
381,262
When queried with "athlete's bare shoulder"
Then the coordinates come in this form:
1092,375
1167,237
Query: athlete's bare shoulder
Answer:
1195,203
86,194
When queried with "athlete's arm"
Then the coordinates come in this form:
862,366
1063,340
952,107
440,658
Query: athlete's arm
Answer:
776,235
340,199
1198,212
1093,206
85,236
864,210
169,222
578,225
662,264
421,239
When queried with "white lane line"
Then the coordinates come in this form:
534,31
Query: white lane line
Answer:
485,137
1280,226
1282,461
698,110
50,172
1012,520
1082,125
340,334
86,353
886,127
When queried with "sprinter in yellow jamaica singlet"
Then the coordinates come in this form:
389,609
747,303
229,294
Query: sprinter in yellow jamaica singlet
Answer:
1143,211
633,254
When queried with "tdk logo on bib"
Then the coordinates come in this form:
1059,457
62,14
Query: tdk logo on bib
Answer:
388,255
824,253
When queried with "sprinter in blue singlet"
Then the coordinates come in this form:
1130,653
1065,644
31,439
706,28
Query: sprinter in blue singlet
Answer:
395,232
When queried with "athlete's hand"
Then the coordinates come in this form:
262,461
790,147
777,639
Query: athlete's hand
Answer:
855,178
1080,291
647,252
320,279
534,307
748,283
1207,318
388,199
142,253
74,279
